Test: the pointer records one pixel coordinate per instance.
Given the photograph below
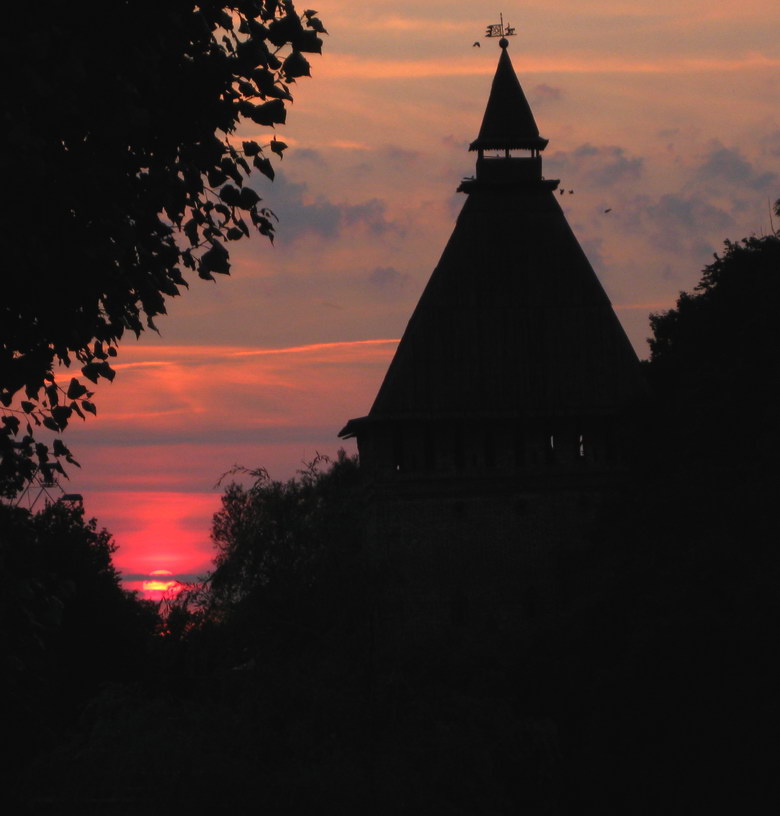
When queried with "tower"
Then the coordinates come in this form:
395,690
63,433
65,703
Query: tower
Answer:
499,424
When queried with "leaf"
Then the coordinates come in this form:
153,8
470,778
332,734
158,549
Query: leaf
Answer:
216,176
284,29
61,415
223,210
270,113
91,372
230,195
317,25
278,147
229,167
264,79
309,41
279,92
216,260
76,389
51,424
27,407
250,148
59,449
11,422
264,166
296,65
89,407
234,234
191,231
248,196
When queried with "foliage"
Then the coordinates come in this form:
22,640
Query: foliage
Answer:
66,624
288,560
125,175
714,355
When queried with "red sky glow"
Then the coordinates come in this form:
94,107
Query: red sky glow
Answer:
664,113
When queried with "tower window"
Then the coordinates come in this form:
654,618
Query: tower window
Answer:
457,448
429,446
519,450
550,447
398,451
581,447
490,451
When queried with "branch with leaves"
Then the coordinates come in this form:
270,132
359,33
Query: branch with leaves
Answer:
121,158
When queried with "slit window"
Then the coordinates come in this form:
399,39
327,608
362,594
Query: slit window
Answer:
429,444
490,451
398,451
457,448
550,447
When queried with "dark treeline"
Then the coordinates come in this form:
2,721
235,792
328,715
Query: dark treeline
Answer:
649,688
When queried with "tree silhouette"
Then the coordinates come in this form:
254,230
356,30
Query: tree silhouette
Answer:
67,627
664,654
712,362
125,178
288,561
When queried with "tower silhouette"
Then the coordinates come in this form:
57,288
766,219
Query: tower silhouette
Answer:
500,423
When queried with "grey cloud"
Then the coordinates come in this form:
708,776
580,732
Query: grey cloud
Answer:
400,154
724,164
307,154
387,279
771,143
371,214
595,166
682,220
593,249
321,217
454,144
689,212
546,93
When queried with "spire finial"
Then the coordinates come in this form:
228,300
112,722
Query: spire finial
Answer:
500,30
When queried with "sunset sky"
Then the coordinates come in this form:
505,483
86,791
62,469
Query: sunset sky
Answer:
666,112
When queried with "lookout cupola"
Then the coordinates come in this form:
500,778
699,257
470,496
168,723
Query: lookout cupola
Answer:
509,145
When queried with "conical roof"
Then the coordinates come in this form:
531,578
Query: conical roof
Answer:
513,321
508,123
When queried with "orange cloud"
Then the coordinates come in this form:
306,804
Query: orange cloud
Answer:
178,417
345,65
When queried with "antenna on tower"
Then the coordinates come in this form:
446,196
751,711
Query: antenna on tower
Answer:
500,30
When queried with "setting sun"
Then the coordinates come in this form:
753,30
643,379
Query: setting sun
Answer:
160,585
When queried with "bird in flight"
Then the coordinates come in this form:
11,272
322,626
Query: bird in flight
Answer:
609,209
477,44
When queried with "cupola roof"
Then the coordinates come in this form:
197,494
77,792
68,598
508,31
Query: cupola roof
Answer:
508,123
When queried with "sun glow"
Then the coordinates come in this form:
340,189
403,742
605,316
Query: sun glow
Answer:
159,586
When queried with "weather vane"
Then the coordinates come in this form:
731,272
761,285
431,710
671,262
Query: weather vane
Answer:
499,29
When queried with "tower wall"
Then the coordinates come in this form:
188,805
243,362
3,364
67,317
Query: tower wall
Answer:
472,534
